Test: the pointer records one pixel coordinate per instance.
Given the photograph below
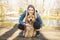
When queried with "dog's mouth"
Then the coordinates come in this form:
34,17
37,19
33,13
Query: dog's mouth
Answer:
30,20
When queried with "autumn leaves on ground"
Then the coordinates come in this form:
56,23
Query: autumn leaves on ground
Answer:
12,33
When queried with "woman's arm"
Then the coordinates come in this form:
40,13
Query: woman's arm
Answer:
39,19
22,17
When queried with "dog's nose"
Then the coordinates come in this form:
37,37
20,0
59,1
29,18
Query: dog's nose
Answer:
30,19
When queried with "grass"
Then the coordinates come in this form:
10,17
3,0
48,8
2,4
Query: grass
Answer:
9,24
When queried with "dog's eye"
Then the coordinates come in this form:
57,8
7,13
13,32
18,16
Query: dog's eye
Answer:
33,13
27,14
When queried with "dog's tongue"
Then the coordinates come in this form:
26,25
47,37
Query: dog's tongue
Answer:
30,23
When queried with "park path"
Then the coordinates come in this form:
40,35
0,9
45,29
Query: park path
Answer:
12,33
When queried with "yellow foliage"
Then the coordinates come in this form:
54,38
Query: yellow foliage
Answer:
8,24
20,11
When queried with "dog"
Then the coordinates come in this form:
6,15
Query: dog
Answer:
29,30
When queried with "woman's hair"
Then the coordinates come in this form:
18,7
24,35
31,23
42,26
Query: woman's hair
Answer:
31,7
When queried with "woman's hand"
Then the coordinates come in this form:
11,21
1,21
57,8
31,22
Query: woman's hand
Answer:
27,24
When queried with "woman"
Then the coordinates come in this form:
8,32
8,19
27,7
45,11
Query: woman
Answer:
37,24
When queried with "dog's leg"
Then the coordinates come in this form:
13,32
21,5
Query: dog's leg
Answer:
34,32
31,31
26,33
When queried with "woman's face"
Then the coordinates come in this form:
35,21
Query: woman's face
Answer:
30,10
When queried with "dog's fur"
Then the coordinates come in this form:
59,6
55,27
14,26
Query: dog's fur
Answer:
29,30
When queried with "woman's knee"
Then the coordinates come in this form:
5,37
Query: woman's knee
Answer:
21,26
36,25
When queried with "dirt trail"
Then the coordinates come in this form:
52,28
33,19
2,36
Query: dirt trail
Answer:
13,34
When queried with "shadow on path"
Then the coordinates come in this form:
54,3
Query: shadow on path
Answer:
9,33
35,38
